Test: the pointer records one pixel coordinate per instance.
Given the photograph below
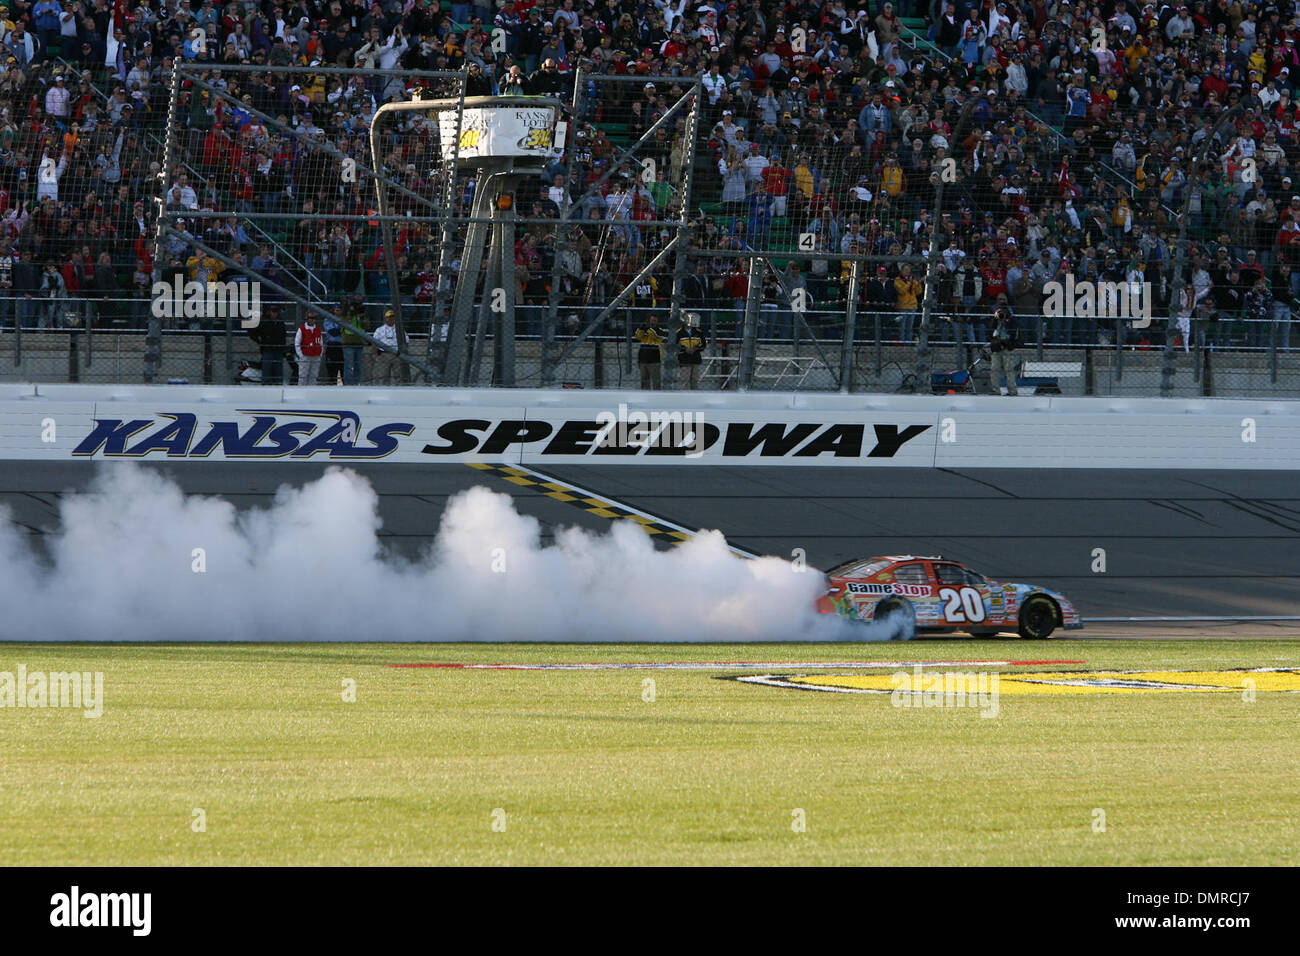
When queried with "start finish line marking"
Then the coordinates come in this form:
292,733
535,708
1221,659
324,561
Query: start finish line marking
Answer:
732,665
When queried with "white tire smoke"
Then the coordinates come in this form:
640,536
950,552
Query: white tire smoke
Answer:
138,560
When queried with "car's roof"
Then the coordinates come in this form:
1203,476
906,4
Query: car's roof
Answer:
885,560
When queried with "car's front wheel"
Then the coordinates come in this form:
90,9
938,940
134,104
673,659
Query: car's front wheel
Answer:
899,615
1038,618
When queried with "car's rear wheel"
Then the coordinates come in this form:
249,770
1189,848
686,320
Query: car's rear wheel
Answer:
898,614
1038,618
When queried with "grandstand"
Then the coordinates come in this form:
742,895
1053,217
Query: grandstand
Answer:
841,193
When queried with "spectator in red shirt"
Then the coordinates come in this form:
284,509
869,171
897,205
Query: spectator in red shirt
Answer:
776,180
994,278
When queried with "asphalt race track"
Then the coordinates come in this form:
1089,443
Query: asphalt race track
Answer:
1206,544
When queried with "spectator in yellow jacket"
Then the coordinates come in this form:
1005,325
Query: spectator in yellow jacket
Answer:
908,291
891,177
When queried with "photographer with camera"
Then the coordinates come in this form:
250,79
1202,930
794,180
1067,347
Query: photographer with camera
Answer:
1002,350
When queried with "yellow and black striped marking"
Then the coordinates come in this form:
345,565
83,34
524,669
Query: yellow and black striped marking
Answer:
592,503
916,684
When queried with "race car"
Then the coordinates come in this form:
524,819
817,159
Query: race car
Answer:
937,595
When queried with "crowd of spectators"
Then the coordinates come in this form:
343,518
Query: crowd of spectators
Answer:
1068,138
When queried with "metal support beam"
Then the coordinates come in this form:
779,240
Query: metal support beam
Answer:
504,352
447,247
486,314
462,304
749,335
680,266
153,338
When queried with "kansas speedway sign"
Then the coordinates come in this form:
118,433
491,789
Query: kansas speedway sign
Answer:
437,429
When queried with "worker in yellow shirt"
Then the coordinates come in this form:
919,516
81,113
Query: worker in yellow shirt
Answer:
649,356
690,350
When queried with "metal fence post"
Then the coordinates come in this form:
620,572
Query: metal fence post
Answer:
678,300
230,351
153,340
1272,352
1119,349
503,353
1198,348
880,345
749,337
491,282
1168,367
847,350
448,247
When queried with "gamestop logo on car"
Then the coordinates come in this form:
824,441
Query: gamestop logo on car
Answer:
907,590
